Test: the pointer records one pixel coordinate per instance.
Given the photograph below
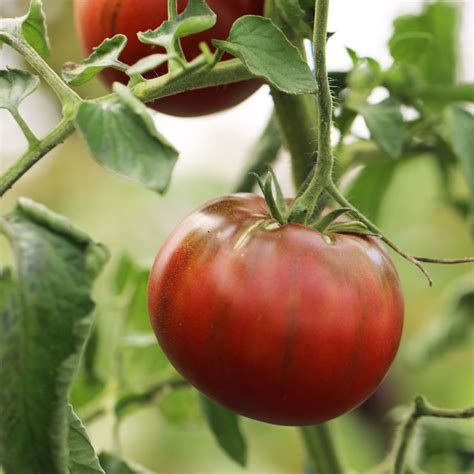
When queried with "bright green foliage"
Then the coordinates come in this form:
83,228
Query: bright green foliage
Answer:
385,123
33,27
267,53
104,56
197,17
121,136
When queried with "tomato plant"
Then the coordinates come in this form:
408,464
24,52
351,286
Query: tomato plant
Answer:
279,323
100,19
285,308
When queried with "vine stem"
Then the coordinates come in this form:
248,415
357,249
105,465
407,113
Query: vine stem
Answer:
29,135
65,94
172,9
342,201
320,447
421,409
295,113
62,131
307,201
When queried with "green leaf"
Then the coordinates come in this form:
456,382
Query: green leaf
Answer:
361,81
351,227
438,62
113,465
266,52
82,457
45,312
149,63
121,136
225,426
180,407
197,17
15,86
329,218
295,16
385,123
354,56
461,134
104,56
409,47
33,27
367,190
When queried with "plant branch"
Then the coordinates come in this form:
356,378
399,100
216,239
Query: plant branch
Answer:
154,392
225,72
308,200
65,94
264,153
29,135
445,261
151,395
341,200
56,136
421,409
172,9
321,449
296,114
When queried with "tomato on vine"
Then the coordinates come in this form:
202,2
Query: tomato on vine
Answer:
280,323
99,19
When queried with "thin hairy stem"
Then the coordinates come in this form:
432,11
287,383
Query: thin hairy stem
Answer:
421,409
308,200
29,135
341,200
62,131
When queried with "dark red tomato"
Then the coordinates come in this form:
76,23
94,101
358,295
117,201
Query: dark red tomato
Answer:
100,19
277,323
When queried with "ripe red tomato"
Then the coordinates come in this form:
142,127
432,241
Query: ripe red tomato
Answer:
279,324
99,19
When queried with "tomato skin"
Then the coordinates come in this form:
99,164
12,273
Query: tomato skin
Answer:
100,19
280,325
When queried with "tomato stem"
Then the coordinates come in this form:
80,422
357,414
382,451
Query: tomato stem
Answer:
296,114
65,94
342,201
62,131
421,408
321,448
308,200
172,9
29,135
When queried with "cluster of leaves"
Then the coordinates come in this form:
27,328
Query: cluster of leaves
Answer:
424,111
118,129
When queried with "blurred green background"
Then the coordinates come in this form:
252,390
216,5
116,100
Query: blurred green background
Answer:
127,218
